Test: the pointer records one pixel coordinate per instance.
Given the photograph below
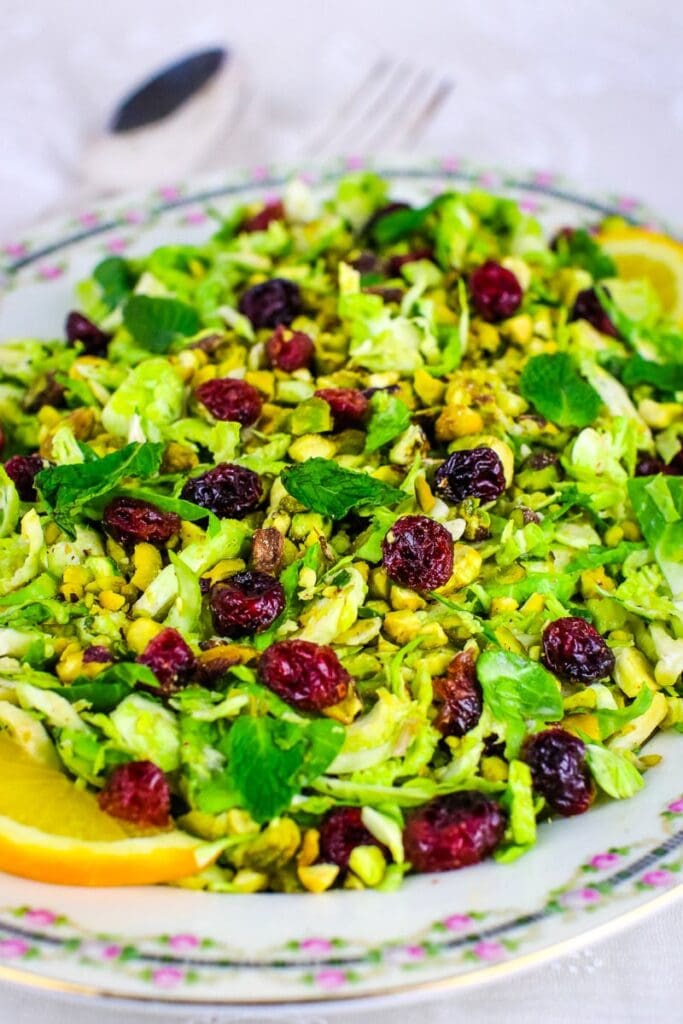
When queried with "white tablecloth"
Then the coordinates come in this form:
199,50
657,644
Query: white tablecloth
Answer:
594,91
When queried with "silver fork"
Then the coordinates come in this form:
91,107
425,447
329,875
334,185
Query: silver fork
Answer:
387,110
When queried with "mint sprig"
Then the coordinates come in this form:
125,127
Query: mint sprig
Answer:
579,249
323,486
66,490
156,322
115,278
557,390
271,760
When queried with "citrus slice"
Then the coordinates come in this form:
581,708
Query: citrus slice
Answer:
641,254
53,831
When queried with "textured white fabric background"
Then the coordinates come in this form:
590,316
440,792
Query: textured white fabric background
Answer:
594,91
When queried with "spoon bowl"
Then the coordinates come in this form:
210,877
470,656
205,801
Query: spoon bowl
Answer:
166,127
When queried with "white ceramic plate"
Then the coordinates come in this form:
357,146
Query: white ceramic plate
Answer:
176,947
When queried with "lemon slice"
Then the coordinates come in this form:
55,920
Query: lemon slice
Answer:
53,831
641,254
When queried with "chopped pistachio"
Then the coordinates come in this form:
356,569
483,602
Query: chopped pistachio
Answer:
317,877
368,863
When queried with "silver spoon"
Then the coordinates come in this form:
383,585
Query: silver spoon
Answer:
167,126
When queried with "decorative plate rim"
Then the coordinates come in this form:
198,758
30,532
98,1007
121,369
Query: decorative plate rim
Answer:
393,994
135,210
135,207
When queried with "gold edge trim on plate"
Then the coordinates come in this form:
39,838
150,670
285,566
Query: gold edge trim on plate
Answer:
28,979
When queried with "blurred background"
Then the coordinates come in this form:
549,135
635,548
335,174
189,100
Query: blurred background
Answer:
593,91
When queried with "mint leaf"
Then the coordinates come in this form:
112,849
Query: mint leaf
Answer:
66,490
86,451
323,486
271,760
579,249
115,278
100,696
665,338
666,377
389,418
557,390
517,688
156,322
393,227
613,772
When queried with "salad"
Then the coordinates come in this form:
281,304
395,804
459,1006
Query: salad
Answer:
351,539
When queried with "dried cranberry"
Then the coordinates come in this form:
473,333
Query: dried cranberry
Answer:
649,465
230,399
453,831
133,521
245,603
418,553
384,211
575,651
289,350
308,676
587,306
22,470
496,292
274,302
461,696
398,261
471,473
93,340
229,491
96,654
349,406
341,831
271,211
170,659
558,770
137,792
